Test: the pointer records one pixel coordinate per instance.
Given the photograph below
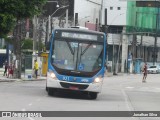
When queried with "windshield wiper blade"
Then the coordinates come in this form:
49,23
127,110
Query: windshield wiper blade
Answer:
72,52
86,49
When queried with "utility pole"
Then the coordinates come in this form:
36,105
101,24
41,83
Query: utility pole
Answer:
155,42
40,35
76,19
18,49
34,34
66,18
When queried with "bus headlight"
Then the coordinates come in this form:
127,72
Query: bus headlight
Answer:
52,75
97,80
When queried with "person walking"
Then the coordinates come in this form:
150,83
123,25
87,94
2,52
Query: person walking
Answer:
144,72
5,68
36,68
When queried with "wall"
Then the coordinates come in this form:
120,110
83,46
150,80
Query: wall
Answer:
88,10
115,16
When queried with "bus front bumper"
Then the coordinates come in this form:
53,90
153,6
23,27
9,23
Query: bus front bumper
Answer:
90,87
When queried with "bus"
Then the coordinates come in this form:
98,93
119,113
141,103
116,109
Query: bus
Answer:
76,61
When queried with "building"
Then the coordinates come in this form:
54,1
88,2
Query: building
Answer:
114,24
120,20
87,13
143,27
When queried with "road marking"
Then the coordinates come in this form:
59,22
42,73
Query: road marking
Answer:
149,89
127,101
129,87
38,99
23,109
31,118
30,104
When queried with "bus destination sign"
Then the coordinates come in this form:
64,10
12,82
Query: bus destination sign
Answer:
79,36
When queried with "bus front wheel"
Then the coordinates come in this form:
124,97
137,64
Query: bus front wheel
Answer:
51,91
93,95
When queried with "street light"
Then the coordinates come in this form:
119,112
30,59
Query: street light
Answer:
54,1
49,20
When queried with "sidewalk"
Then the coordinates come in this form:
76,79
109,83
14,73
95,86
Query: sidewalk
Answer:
110,74
26,77
23,78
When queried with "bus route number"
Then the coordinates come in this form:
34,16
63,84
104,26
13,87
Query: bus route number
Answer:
65,78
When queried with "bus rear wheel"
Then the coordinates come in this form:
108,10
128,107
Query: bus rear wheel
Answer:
93,95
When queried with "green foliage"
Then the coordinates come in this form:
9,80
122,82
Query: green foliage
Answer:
27,44
7,22
13,10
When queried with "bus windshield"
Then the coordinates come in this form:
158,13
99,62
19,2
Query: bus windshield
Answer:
77,56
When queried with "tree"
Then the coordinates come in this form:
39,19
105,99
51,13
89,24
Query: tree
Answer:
14,10
27,44
17,10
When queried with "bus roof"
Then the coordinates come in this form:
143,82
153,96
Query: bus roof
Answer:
80,30
80,27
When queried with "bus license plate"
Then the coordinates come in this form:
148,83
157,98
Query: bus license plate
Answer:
73,88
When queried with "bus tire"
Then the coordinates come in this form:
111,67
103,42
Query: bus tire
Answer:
93,95
51,91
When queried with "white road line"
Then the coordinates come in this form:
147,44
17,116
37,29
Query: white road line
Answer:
30,104
23,109
31,118
129,87
38,99
127,102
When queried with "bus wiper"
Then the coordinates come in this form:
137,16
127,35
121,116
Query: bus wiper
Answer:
86,49
72,52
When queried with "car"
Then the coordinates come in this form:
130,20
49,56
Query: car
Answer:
153,69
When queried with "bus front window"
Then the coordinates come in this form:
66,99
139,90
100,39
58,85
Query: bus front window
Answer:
77,56
63,55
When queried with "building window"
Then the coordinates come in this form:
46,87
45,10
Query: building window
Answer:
118,8
111,8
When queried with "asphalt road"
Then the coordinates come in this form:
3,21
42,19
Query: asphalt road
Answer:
119,93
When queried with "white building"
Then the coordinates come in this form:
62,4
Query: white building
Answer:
88,10
116,12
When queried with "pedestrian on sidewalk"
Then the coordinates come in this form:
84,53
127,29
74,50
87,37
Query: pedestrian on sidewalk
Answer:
144,72
5,68
36,68
10,71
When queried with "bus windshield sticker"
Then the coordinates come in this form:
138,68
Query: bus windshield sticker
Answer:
74,45
69,67
53,56
79,36
81,67
57,61
94,46
65,62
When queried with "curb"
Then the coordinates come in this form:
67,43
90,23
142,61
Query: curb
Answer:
18,80
32,79
3,80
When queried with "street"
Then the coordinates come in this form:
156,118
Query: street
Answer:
119,93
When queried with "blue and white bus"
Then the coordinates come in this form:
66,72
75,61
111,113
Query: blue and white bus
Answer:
76,61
